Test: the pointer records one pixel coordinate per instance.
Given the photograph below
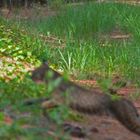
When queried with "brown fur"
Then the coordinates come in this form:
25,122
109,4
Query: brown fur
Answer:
86,101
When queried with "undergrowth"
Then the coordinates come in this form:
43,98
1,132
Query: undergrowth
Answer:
19,51
87,52
85,55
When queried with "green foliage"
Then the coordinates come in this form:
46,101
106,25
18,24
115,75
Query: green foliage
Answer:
11,43
89,20
21,90
80,22
12,96
19,52
91,59
87,54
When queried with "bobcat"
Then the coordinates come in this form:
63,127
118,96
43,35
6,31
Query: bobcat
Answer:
87,101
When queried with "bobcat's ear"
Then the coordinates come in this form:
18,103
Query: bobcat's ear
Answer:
45,62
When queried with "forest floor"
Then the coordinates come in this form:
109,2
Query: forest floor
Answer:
105,128
108,128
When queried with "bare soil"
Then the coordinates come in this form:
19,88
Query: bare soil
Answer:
108,128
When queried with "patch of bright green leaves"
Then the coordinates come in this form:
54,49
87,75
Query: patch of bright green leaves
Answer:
19,52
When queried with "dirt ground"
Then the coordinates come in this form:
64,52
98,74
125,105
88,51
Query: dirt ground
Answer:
107,128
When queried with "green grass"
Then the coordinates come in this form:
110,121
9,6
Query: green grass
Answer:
84,25
86,21
89,60
17,50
